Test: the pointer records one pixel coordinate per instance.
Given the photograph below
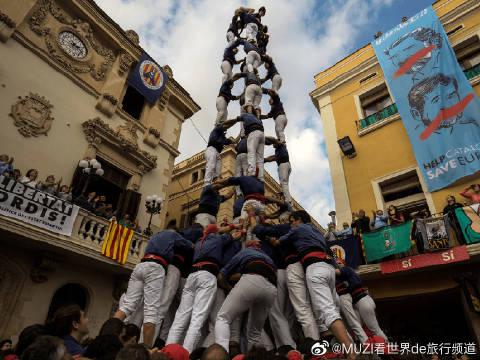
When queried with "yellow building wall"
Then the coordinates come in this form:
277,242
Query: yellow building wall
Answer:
387,149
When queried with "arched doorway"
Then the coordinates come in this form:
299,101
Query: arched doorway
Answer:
67,295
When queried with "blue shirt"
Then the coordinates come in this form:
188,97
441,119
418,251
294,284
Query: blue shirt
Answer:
281,154
5,168
239,261
250,78
248,18
275,253
228,54
241,147
379,222
248,46
351,277
72,346
210,201
248,184
218,139
211,248
162,244
192,233
230,250
277,106
305,238
237,206
250,123
226,91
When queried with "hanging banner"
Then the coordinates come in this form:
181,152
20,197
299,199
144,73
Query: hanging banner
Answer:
434,232
35,207
469,221
387,241
148,78
347,248
436,102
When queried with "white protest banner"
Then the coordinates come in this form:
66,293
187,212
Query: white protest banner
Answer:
36,207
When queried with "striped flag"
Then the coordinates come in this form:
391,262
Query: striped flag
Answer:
116,242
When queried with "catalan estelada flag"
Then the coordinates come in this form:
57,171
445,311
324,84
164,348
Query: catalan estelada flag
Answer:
116,242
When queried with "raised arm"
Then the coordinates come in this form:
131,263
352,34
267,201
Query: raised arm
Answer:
270,158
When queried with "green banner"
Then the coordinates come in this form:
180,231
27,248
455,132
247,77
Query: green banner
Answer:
387,241
469,221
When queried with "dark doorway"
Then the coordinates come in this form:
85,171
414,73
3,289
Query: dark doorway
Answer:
436,317
69,294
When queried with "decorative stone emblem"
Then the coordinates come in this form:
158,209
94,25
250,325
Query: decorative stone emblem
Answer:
128,132
152,137
126,62
107,103
32,115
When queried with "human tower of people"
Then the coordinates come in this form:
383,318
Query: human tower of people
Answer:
233,278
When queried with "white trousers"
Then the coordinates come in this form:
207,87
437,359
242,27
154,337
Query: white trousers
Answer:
251,31
276,82
278,320
255,147
320,278
241,167
226,70
280,125
205,219
351,317
252,293
170,316
252,60
300,299
222,110
253,95
284,170
234,328
197,300
366,309
146,281
213,166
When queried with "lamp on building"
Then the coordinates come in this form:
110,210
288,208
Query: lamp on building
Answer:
347,147
90,167
153,205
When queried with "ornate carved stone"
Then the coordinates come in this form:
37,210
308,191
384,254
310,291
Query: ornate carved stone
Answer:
124,138
126,61
32,115
80,28
7,27
168,70
128,132
107,104
164,98
152,137
133,36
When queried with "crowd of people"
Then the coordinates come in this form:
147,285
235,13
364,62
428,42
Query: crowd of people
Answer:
94,202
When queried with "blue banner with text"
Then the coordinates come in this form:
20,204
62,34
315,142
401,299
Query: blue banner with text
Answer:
436,102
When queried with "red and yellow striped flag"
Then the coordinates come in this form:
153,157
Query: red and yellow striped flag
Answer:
116,242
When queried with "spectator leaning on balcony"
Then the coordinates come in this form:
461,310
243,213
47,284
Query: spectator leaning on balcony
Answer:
6,167
49,185
395,217
330,234
361,222
472,193
449,210
378,220
65,193
30,179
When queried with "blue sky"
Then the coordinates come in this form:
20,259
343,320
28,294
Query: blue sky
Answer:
306,37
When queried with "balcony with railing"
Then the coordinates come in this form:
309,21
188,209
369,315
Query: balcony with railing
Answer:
376,118
472,72
88,234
